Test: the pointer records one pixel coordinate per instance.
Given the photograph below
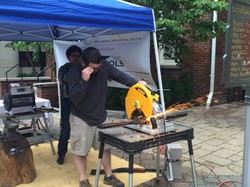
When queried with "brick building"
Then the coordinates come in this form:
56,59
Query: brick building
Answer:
199,68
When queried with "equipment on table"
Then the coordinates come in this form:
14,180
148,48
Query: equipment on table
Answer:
147,127
144,112
142,102
20,99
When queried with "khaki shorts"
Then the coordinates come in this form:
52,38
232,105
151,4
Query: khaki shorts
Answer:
83,136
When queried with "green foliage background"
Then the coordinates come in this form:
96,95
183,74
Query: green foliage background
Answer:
176,91
116,98
179,21
179,90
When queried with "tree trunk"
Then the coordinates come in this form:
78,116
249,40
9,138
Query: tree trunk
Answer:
16,160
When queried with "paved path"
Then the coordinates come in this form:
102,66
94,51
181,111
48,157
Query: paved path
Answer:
218,147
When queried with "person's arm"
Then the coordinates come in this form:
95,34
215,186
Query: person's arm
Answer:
142,82
123,78
77,86
120,76
63,73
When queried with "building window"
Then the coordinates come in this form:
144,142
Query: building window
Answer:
24,60
165,61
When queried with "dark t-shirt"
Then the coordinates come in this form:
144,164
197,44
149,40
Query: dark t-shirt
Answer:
63,78
89,97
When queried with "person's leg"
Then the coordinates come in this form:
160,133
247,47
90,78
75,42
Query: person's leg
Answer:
109,178
65,130
65,127
81,165
81,140
106,162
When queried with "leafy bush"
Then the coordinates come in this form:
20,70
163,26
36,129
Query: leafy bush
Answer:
175,91
180,90
116,98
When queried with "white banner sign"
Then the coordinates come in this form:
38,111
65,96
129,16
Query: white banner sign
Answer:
127,52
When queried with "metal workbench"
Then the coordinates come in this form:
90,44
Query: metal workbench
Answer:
133,142
38,135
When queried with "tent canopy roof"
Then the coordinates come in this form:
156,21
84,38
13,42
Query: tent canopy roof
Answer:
46,20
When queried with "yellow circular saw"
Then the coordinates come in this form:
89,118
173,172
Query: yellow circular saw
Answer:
141,102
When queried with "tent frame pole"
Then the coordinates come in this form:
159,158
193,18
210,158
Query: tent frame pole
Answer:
158,68
246,150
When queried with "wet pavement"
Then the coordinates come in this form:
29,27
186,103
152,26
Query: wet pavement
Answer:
218,148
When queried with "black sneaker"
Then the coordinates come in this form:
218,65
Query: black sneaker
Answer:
85,183
60,159
113,180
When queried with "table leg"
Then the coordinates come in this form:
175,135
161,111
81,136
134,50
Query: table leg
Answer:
191,153
158,164
130,170
99,163
49,135
34,126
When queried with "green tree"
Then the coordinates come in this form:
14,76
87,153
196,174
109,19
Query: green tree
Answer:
179,21
35,47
